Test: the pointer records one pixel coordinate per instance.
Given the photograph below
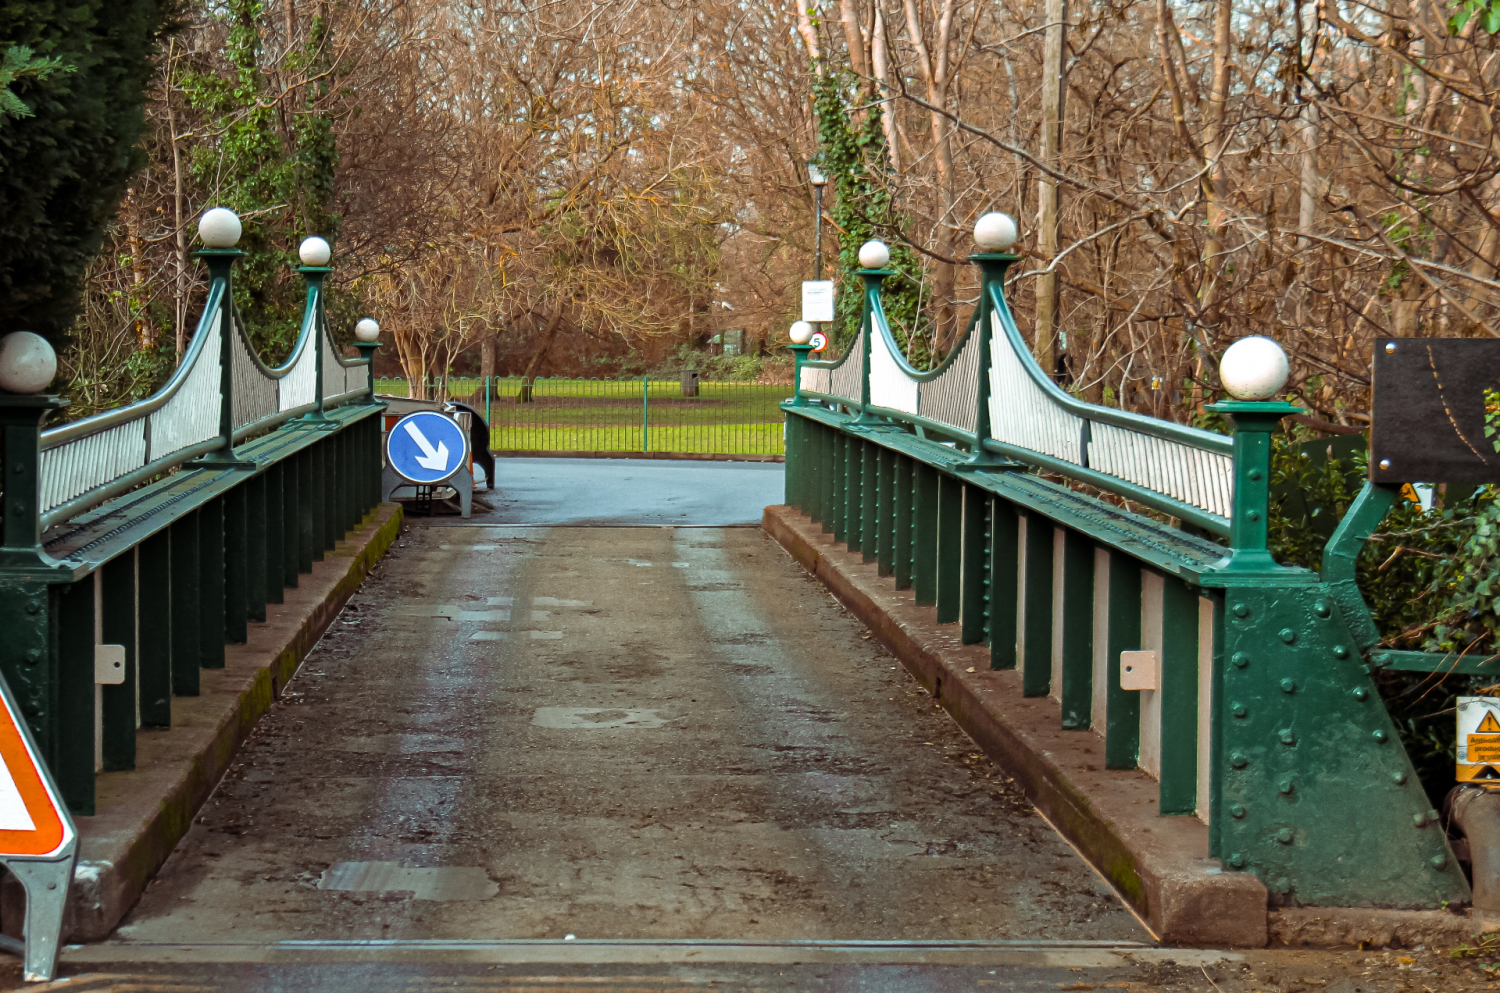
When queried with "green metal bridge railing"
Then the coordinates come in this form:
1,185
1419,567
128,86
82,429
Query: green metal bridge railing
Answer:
962,485
167,525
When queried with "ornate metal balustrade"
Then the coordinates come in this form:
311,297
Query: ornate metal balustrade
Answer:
167,525
1263,722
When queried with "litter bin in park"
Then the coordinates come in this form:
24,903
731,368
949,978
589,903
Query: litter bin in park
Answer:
690,382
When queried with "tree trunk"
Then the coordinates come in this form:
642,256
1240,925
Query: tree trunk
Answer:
1213,148
487,347
529,376
1049,229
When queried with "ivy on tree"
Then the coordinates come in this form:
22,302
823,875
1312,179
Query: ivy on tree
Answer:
855,158
280,180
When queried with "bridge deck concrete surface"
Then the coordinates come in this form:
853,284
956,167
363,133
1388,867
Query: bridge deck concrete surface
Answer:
604,739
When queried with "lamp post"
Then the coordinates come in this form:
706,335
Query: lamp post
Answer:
819,180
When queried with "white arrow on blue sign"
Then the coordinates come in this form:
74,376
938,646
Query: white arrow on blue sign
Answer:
426,447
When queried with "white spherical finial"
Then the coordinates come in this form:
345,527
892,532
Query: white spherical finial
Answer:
367,329
994,232
801,332
1254,368
27,363
314,251
220,228
874,254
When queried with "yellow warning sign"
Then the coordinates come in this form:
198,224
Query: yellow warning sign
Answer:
1479,741
1484,748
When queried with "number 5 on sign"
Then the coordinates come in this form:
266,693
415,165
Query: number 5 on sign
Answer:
37,839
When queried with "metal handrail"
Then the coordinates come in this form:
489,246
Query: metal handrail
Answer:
1166,430
64,433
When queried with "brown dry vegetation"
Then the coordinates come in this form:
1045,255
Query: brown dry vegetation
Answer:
537,187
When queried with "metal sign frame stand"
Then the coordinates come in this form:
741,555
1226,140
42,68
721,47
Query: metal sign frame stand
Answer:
47,882
46,879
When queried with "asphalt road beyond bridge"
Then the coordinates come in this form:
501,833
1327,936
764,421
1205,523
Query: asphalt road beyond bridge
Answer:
619,758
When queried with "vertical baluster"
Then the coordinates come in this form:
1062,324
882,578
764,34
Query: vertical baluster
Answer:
853,490
211,585
950,548
901,520
255,547
1179,699
1077,633
869,541
237,563
73,767
1004,592
118,627
1117,628
307,504
1035,608
157,630
185,605
924,533
836,514
885,512
974,580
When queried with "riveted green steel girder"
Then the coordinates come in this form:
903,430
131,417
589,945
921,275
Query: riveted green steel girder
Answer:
1319,798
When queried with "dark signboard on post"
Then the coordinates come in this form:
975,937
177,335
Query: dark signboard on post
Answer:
1436,414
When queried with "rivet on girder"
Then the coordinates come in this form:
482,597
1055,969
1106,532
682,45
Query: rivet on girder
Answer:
1236,811
1241,610
34,656
1254,474
1288,686
1439,861
1240,660
1419,820
1360,693
1379,736
1285,786
1238,760
1284,836
1239,710
1399,778
1340,652
33,606
1322,609
1432,815
1287,737
1288,635
1237,860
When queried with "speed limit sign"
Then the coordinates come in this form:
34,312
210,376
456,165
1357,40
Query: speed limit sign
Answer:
818,341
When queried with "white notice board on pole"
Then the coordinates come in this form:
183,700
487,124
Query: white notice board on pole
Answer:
817,301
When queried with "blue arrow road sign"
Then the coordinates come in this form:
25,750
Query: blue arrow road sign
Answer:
426,447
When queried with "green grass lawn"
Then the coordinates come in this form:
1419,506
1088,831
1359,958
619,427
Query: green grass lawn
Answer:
606,415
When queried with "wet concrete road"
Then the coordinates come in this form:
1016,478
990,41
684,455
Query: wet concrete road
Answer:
612,733
630,492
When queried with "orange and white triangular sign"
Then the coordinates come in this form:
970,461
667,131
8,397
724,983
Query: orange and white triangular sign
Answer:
33,821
